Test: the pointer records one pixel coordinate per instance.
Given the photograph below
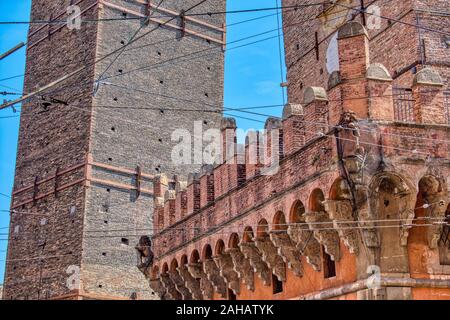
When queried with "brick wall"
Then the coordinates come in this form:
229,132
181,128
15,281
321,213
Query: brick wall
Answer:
383,162
101,128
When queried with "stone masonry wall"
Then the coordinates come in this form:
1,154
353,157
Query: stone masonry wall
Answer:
399,46
51,137
97,125
126,137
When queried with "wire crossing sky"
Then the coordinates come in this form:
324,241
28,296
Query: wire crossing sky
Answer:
252,77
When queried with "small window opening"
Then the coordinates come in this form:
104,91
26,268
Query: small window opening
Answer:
277,285
329,266
231,295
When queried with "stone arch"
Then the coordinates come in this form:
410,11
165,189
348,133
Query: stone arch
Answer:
155,273
263,229
183,260
173,265
207,252
391,190
302,236
339,207
195,257
392,201
279,222
268,250
430,185
233,242
320,222
220,247
297,213
340,190
285,246
430,208
248,235
316,200
165,268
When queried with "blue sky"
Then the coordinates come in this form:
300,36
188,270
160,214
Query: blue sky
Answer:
252,78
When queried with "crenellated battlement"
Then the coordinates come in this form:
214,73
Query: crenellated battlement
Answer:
362,88
298,191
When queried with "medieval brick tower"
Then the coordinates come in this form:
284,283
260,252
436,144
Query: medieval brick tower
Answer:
89,147
359,206
311,42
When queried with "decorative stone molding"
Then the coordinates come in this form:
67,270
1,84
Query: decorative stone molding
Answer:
172,292
428,77
406,215
193,177
377,71
180,285
206,287
191,283
369,232
306,245
292,109
270,255
341,210
157,286
272,123
314,94
352,29
158,202
438,206
334,79
169,195
329,238
406,202
180,186
228,123
241,265
259,266
213,275
288,251
226,269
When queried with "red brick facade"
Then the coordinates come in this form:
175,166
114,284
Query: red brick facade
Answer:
358,191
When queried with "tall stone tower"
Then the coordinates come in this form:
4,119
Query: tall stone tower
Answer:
90,146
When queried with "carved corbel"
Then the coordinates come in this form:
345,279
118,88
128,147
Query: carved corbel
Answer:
306,244
225,264
324,232
172,292
206,287
179,285
270,255
436,212
369,232
341,210
157,286
407,217
191,283
241,265
287,250
213,275
250,252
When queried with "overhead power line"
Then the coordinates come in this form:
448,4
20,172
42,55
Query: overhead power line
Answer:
394,19
208,13
157,42
77,71
134,36
12,50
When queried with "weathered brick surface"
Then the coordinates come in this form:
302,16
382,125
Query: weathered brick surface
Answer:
104,126
399,47
374,167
